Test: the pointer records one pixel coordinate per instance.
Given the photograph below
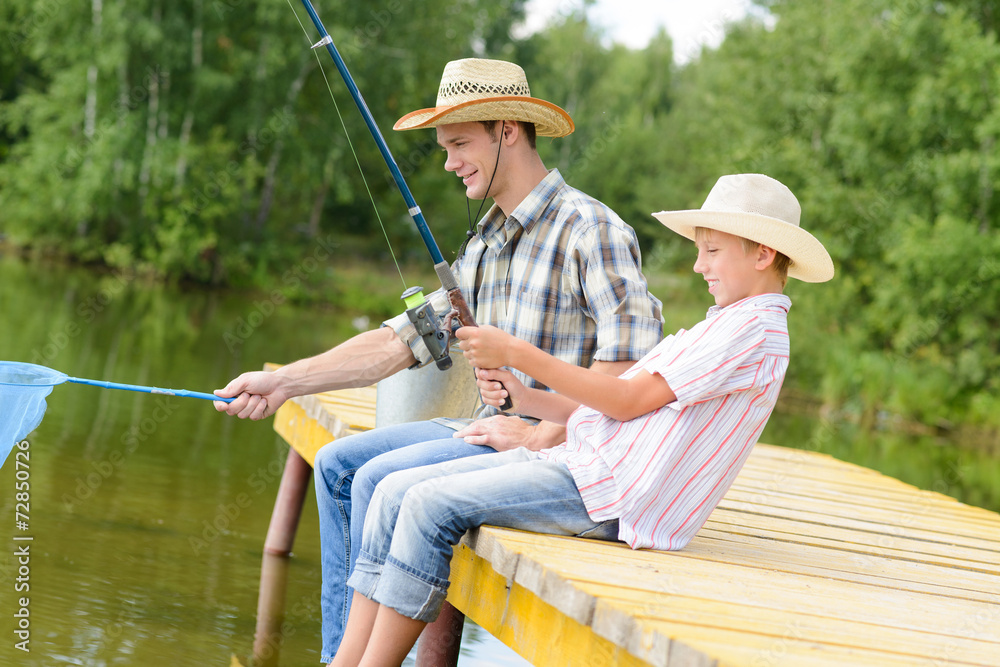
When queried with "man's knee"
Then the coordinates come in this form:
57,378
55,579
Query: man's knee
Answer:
326,459
335,461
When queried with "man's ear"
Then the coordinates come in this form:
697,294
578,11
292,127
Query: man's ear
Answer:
511,131
765,257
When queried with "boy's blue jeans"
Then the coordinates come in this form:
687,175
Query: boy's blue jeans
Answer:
417,515
347,472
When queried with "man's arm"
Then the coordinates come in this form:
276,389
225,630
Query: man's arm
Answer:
361,361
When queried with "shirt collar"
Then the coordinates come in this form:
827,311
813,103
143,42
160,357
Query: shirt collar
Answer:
495,229
767,301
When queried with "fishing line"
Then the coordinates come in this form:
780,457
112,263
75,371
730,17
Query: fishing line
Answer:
350,143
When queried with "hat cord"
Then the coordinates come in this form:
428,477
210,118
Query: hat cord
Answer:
471,234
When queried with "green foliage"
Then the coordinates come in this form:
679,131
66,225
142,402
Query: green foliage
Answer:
881,116
197,140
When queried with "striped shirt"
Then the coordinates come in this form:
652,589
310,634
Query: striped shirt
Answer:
662,474
562,272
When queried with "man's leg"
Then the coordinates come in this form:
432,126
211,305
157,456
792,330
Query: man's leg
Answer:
335,466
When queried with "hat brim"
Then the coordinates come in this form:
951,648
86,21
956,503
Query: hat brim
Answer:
549,120
811,262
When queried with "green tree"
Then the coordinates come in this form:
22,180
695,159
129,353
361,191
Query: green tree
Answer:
882,117
197,139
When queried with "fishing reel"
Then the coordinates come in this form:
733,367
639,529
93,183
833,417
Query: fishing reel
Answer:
435,332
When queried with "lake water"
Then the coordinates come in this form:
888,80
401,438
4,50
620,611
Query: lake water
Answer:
148,513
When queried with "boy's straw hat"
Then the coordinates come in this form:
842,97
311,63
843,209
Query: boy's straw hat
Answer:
477,89
761,209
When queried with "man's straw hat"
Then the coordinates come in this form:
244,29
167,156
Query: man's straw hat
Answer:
477,89
761,209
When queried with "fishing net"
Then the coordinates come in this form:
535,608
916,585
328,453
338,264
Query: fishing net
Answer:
23,388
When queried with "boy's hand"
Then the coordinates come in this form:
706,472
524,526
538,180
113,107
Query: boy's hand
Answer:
485,346
495,385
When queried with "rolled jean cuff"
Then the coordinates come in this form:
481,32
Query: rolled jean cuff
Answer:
413,594
367,572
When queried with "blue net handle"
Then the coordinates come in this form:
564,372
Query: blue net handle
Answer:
23,374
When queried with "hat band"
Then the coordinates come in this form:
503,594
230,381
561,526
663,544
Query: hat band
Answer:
456,88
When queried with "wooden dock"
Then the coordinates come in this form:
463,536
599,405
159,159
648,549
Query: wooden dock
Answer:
807,561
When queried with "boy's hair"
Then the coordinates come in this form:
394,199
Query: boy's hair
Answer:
781,261
528,128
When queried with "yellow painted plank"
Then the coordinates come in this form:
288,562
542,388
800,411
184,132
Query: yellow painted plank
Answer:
593,566
304,435
910,521
524,621
662,573
829,631
733,647
899,546
721,546
905,499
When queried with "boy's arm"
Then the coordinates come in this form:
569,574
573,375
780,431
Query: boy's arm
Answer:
618,398
496,384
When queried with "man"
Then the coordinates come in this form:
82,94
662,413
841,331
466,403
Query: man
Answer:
549,265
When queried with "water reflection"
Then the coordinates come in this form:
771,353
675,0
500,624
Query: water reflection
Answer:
148,513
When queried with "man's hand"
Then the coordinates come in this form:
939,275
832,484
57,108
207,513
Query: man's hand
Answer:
503,433
358,362
258,394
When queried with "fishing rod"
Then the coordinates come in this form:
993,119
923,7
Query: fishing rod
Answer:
436,339
441,267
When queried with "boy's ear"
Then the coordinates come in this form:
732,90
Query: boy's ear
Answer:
765,257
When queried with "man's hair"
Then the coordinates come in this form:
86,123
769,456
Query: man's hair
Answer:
528,128
781,261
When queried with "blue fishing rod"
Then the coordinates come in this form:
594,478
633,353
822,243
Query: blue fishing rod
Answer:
441,267
418,311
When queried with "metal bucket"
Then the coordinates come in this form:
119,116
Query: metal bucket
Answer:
424,393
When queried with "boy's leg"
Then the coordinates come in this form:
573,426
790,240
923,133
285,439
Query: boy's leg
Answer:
420,455
417,515
358,630
397,634
335,466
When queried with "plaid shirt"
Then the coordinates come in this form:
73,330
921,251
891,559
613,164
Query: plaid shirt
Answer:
562,272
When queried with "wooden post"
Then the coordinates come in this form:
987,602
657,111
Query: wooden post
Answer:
274,568
288,505
441,641
268,637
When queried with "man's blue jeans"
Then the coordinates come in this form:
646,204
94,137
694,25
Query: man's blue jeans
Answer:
347,472
417,515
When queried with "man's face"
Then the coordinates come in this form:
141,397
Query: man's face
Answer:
471,155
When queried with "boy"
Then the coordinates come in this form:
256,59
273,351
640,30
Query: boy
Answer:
648,454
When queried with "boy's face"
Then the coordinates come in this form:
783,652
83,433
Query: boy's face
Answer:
730,271
471,155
